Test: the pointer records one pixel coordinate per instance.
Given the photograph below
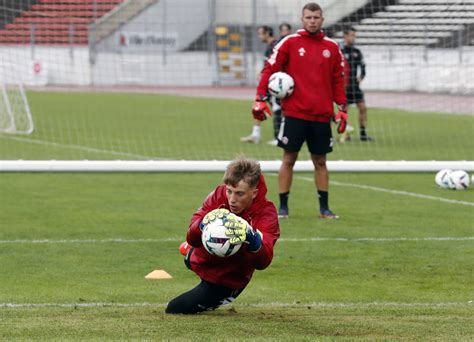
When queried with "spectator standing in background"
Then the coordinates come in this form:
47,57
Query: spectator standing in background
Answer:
265,34
285,29
354,75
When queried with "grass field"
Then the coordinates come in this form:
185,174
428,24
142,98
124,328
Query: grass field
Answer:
147,126
75,248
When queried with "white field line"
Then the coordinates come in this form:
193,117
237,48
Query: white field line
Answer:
395,192
241,305
79,147
309,239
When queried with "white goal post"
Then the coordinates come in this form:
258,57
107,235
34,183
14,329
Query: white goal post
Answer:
220,166
15,113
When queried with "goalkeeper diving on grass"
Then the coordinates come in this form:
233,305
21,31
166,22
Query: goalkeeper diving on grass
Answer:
250,227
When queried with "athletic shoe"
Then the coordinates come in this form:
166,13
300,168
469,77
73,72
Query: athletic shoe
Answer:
273,142
345,137
251,139
184,248
283,212
366,138
327,214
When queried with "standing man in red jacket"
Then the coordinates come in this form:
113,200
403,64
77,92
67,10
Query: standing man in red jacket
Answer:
254,225
317,67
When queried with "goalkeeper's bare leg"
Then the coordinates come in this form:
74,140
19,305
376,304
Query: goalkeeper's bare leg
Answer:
256,134
285,178
363,121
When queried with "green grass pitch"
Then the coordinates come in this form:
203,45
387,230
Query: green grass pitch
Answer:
79,240
75,248
146,126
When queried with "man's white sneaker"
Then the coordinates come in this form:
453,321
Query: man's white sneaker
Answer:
251,139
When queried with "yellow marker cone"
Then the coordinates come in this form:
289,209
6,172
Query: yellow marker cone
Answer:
158,274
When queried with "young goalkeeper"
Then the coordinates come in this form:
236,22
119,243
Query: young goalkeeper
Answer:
254,225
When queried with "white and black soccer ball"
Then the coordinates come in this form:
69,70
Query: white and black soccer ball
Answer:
215,241
459,180
281,85
442,178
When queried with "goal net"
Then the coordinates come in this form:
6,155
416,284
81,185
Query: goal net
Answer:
172,82
15,114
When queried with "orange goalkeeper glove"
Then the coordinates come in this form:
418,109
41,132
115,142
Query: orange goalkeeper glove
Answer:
260,110
341,119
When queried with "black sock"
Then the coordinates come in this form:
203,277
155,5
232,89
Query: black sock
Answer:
323,200
362,131
284,199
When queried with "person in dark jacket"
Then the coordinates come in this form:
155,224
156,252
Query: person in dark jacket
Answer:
355,74
266,36
254,225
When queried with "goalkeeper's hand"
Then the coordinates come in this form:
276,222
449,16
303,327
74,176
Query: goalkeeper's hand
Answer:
213,215
240,232
260,110
341,119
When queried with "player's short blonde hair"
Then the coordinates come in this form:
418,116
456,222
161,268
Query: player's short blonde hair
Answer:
244,169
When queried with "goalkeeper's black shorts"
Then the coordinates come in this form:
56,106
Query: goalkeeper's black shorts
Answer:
205,296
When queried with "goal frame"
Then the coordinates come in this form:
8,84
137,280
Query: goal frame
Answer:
220,166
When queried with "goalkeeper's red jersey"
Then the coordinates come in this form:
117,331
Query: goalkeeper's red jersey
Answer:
235,271
317,66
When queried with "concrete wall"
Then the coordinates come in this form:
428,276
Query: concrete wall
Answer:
45,65
188,69
173,25
167,25
417,69
446,71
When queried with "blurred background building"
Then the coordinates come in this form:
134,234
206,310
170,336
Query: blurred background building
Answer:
408,45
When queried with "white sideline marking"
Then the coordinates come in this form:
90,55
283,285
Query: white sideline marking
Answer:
381,239
87,241
396,192
310,239
79,147
242,305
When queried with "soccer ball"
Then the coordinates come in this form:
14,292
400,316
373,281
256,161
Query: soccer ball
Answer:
459,180
442,178
215,241
280,85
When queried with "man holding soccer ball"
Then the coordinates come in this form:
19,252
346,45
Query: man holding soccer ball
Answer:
317,67
250,221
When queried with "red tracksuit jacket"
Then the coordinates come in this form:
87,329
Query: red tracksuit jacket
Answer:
317,66
235,271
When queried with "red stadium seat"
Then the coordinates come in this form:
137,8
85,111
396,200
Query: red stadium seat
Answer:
57,22
80,2
72,7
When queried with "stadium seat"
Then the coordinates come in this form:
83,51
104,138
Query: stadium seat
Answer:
56,22
432,2
431,23
73,7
